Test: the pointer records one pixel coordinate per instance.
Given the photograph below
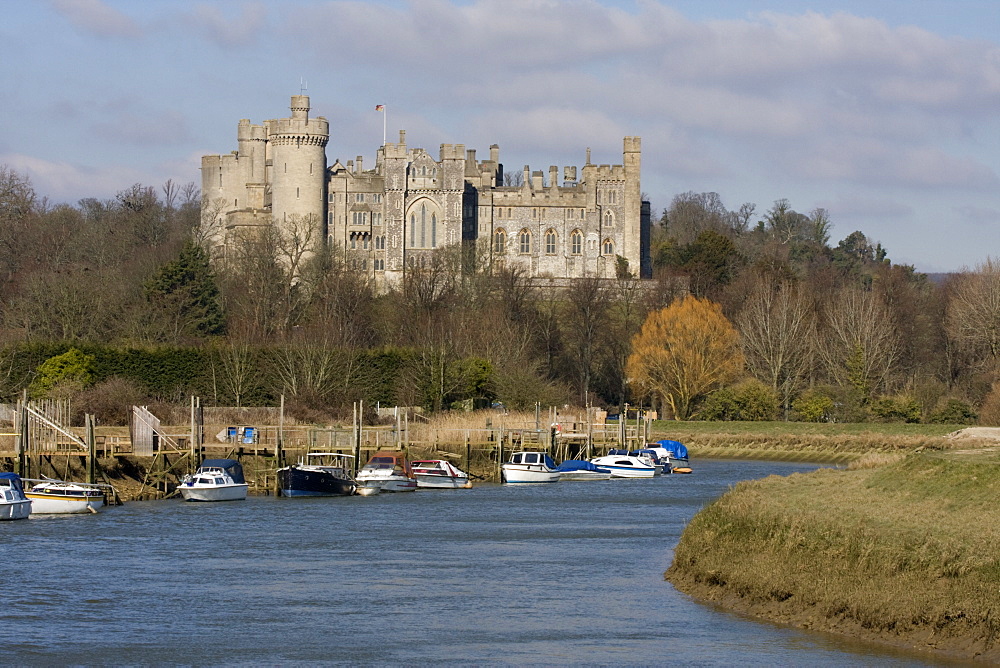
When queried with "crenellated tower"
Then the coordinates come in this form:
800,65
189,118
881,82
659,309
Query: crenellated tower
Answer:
297,148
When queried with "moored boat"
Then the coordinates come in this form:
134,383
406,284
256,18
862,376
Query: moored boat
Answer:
581,469
626,465
675,450
439,474
58,497
319,474
215,480
389,471
527,467
14,505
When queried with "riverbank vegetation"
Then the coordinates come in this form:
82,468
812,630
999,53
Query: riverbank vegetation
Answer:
817,331
898,548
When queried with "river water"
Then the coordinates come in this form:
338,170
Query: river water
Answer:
570,573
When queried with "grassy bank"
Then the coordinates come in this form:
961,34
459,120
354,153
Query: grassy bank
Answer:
902,551
807,441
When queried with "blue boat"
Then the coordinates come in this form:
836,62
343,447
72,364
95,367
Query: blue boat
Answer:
14,505
677,451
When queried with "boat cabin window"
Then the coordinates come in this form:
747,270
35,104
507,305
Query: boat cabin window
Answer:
516,459
531,458
623,462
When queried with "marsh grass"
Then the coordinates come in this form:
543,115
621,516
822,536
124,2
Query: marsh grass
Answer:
902,550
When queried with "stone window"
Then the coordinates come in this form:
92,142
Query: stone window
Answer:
359,197
576,242
609,218
524,242
550,242
500,241
609,247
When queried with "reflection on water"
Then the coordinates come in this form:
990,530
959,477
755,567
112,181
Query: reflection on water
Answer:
570,573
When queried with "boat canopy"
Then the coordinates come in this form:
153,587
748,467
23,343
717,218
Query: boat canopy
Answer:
230,466
677,449
14,481
579,465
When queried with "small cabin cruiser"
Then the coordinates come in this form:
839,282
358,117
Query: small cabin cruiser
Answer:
529,467
215,480
627,465
320,474
14,505
580,469
675,450
439,474
389,471
58,497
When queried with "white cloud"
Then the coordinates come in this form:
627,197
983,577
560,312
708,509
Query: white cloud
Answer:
97,18
63,181
230,31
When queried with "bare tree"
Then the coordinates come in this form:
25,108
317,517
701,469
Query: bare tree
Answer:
777,329
973,312
860,340
586,318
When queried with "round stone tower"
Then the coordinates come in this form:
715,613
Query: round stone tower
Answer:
298,174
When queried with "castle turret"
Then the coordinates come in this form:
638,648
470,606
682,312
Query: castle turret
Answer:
632,241
298,173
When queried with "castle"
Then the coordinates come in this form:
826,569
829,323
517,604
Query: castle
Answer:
389,219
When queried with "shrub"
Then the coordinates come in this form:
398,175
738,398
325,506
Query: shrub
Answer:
814,406
111,401
989,412
756,401
749,400
896,409
67,373
953,411
720,405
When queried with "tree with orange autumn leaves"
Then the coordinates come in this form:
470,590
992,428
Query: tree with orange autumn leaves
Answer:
683,352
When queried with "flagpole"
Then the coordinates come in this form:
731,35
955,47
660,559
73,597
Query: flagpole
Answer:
381,108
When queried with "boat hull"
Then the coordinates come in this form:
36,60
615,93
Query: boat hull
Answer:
295,481
528,473
59,504
388,484
625,467
236,492
441,482
15,510
584,475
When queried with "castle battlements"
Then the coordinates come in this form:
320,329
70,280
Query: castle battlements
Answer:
386,220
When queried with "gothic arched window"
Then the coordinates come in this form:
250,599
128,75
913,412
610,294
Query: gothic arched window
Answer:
499,241
550,242
609,247
576,242
524,242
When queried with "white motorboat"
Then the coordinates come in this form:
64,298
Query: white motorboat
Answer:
389,471
58,497
626,466
525,467
14,505
579,469
439,474
215,480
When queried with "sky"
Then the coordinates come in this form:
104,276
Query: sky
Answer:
884,113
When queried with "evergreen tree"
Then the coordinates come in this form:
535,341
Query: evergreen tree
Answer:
185,293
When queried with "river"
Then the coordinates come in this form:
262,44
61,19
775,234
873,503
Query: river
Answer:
570,573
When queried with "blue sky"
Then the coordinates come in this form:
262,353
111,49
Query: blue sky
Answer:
887,114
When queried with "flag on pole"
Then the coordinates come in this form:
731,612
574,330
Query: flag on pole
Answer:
379,107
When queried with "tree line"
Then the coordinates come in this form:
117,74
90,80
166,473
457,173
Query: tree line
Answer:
816,330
